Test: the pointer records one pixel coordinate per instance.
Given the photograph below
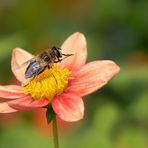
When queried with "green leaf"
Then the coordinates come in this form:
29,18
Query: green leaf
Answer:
49,114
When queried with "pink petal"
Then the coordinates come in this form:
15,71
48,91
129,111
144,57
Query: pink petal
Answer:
5,108
92,77
75,44
68,107
19,57
29,105
11,92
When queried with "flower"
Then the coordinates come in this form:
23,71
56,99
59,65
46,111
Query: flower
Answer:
63,85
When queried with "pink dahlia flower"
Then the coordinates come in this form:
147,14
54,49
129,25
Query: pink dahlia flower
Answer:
74,79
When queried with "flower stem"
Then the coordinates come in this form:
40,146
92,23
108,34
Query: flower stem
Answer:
55,132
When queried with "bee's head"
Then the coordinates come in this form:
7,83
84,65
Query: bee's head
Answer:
56,52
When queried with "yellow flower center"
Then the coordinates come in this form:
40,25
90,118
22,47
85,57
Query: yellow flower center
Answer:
52,81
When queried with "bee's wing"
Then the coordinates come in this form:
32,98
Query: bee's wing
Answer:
25,64
22,68
30,72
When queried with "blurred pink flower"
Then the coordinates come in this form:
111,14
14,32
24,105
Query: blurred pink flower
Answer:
68,105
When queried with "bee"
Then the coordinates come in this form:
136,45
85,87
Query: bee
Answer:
37,64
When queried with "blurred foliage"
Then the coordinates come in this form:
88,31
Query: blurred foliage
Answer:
115,116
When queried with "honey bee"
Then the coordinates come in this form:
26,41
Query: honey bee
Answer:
37,64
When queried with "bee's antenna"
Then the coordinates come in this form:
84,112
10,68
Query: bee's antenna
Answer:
67,55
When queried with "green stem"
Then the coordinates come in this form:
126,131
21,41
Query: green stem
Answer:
55,132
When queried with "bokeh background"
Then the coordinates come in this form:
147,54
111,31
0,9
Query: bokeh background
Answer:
115,116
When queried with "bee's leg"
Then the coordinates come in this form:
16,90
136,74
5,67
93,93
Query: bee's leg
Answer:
48,66
59,60
55,78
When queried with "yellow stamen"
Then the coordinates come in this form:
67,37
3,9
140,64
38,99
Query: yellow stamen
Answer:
52,81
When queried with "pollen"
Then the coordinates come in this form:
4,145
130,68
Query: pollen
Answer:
51,82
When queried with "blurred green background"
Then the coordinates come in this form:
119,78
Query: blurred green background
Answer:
115,116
